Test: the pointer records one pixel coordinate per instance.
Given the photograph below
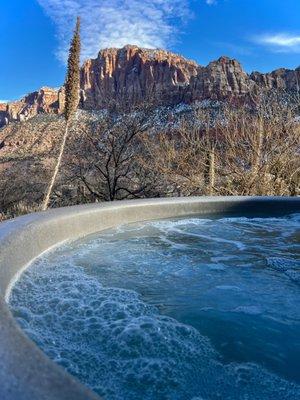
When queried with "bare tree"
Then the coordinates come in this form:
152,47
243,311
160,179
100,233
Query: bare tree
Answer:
259,152
105,160
114,156
238,152
184,158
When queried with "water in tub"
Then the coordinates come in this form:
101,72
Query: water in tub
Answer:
193,308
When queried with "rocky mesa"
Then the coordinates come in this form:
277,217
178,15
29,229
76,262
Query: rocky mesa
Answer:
133,75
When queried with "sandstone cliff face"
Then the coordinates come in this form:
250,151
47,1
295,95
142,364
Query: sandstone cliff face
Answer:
45,100
282,79
132,75
223,79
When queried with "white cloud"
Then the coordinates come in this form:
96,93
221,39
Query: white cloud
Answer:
211,2
4,101
115,23
280,42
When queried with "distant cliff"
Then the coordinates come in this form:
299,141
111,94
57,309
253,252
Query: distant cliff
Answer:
45,100
134,75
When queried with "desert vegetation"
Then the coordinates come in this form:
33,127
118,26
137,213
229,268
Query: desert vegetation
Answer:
115,156
236,152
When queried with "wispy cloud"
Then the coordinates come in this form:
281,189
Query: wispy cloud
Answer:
211,2
3,101
279,42
115,23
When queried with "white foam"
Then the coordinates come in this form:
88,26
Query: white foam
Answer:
239,245
293,275
281,264
122,347
289,267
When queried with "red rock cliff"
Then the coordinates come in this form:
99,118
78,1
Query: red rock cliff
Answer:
45,100
133,75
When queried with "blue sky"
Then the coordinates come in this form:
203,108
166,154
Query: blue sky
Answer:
34,34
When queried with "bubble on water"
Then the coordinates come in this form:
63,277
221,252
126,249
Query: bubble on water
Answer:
293,275
290,267
184,222
122,347
281,264
239,245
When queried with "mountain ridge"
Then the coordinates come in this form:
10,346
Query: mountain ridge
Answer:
133,75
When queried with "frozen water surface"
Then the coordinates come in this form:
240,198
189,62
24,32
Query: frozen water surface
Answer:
194,308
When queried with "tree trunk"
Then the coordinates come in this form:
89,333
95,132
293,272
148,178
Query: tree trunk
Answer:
210,171
56,169
256,162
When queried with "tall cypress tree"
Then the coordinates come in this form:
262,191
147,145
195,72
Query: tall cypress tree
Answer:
72,86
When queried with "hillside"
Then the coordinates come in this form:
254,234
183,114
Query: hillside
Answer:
132,75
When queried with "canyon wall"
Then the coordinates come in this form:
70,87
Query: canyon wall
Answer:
133,75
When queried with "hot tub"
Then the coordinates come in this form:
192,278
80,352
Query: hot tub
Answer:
26,372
